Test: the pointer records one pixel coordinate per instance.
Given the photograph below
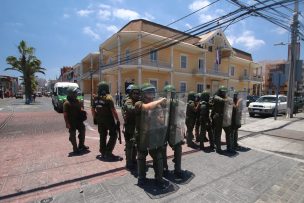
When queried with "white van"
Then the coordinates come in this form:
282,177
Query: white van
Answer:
59,95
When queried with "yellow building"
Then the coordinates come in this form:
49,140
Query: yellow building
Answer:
143,51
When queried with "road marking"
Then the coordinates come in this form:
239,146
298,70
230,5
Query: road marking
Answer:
89,127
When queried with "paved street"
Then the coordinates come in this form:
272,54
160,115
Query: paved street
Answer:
37,167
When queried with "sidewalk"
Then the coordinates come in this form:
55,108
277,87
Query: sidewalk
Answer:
42,171
282,136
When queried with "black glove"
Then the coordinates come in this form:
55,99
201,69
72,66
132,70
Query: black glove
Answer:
95,121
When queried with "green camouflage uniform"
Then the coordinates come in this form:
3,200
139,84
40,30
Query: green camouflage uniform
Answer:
73,109
191,114
129,126
205,124
105,120
217,119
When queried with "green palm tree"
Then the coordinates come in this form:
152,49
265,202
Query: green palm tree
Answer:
27,64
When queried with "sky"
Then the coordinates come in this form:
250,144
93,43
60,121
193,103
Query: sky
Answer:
63,32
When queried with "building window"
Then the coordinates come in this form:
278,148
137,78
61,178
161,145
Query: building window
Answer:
200,88
153,55
182,86
245,72
183,61
154,83
231,71
127,55
110,60
210,48
201,64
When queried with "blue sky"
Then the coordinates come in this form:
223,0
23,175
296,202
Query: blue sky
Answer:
64,32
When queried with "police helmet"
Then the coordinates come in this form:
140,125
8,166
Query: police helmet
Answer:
197,96
103,88
146,89
222,91
169,88
129,88
72,93
134,89
191,96
205,96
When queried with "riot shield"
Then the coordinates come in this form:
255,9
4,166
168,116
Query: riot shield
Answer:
153,126
227,116
176,117
242,97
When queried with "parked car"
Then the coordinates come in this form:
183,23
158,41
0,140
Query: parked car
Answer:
265,105
251,99
39,94
19,95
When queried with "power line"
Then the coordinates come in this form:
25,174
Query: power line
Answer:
198,30
186,16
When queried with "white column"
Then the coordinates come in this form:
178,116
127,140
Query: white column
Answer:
81,74
100,63
91,73
172,66
139,60
118,64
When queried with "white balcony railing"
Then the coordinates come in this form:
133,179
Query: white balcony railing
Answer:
244,77
257,78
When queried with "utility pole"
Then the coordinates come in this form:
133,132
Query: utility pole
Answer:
293,56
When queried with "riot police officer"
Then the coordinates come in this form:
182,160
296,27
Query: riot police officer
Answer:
104,113
217,115
191,113
128,111
197,119
150,133
71,112
205,122
173,136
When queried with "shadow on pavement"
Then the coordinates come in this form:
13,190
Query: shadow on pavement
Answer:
187,176
155,191
71,154
105,159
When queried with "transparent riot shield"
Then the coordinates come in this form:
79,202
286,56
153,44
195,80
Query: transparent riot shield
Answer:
153,126
176,117
242,97
227,116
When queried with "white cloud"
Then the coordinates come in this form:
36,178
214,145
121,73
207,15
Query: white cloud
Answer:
104,14
279,31
104,6
198,4
66,15
220,12
231,39
117,1
205,17
112,29
148,16
188,26
125,14
84,13
88,31
248,40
